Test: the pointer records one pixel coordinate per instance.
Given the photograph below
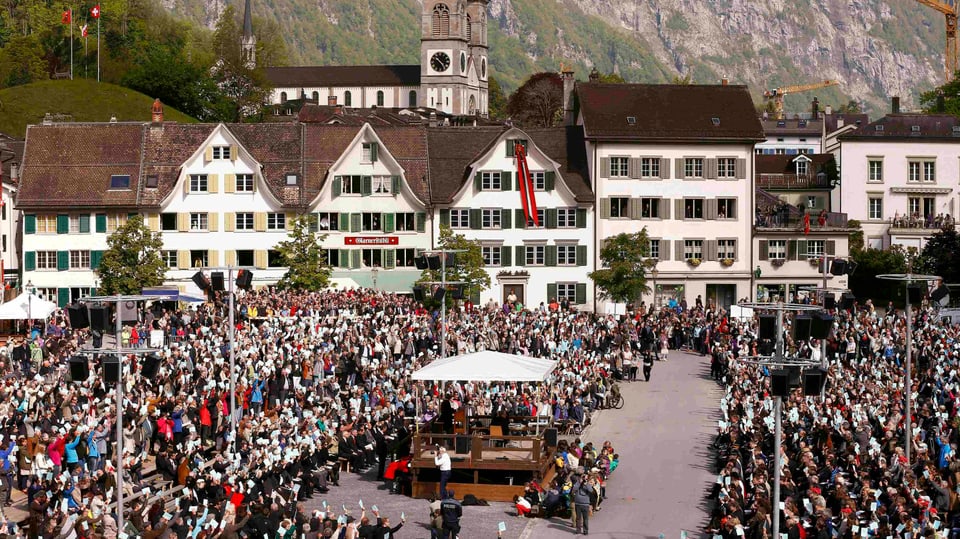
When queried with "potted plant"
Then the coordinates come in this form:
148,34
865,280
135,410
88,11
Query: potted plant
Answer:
777,262
814,262
726,262
694,262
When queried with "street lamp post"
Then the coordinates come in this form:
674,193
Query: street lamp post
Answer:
907,279
654,273
443,284
30,288
374,271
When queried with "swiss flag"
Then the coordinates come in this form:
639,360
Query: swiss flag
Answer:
66,18
95,11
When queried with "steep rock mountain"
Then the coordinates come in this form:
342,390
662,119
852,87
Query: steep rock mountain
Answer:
874,48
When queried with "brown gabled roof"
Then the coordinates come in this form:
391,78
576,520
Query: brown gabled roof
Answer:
277,147
314,76
408,145
71,165
11,151
795,126
454,149
900,127
166,148
832,120
668,113
786,164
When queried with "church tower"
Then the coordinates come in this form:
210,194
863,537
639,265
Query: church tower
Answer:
248,43
453,56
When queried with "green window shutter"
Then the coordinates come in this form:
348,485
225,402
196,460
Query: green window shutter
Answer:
605,206
85,223
477,184
521,252
551,291
520,218
30,260
63,260
801,249
30,224
764,250
511,148
95,258
63,297
505,180
581,218
314,222
337,186
390,258
421,221
505,256
550,180
355,222
355,259
366,187
581,293
581,255
63,224
101,223
505,219
395,187
93,291
343,258
445,217
476,216
344,224
388,219
374,151
551,216
516,181
551,252
792,249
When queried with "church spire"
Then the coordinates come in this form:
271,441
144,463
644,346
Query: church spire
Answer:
249,42
247,22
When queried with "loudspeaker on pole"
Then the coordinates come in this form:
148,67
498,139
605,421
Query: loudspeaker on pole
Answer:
216,281
79,369
77,314
111,369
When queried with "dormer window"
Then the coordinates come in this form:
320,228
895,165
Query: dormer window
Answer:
802,167
781,123
221,152
292,179
120,181
879,128
715,120
631,120
153,181
914,128
371,152
802,123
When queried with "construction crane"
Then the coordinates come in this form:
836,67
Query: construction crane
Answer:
777,94
949,8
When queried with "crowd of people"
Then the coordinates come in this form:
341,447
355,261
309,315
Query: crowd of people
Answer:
321,377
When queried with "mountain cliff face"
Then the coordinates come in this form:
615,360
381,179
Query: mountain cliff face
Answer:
874,48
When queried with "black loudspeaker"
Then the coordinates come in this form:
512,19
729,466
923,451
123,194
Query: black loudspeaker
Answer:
421,263
439,293
77,314
813,381
111,370
838,267
829,301
550,435
100,319
129,312
767,330
216,281
201,280
456,291
433,262
150,366
780,383
822,326
244,279
801,328
916,292
451,259
937,294
79,369
766,348
847,300
418,294
462,444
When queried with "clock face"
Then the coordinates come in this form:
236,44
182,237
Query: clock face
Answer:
440,62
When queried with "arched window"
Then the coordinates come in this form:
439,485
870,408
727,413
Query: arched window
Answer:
379,98
469,29
441,20
473,105
283,97
413,98
316,97
347,99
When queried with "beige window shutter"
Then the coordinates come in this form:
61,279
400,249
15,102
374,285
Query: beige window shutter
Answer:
212,183
153,222
229,222
233,152
260,221
186,185
213,257
208,154
183,222
229,183
213,221
231,258
288,220
183,259
260,259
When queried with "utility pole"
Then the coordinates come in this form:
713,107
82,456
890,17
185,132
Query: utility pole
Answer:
443,284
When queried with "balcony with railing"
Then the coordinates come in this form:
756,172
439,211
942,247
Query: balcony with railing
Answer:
793,181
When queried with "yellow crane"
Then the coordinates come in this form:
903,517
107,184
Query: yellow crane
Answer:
949,8
777,94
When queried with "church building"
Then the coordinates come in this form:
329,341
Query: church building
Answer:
452,76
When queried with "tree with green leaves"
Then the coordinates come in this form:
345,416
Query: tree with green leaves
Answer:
612,78
497,99
21,62
467,266
852,107
539,101
625,259
132,260
683,80
872,262
306,261
941,255
951,98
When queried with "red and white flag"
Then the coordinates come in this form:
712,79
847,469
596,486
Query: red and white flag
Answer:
95,11
83,30
527,197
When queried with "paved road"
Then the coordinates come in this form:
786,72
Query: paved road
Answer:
662,435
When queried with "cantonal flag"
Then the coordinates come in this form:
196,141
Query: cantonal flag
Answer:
95,11
66,17
83,30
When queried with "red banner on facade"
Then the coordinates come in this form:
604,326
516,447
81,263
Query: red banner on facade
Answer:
371,240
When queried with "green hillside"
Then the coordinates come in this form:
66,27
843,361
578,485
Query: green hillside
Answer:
81,100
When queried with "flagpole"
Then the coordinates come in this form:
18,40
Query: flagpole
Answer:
70,10
98,44
85,40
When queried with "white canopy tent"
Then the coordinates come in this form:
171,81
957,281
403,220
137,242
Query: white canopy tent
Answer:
27,306
487,366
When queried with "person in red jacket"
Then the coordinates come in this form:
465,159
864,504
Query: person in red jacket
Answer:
206,423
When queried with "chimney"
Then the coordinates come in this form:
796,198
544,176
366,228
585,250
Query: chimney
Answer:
433,118
840,123
157,110
594,75
332,101
828,110
895,105
941,103
47,119
724,81
568,84
815,108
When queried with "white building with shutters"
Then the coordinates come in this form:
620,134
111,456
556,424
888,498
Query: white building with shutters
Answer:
678,162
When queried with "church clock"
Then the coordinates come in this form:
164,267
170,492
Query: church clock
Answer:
440,62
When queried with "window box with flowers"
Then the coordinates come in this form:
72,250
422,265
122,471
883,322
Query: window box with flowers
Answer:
726,262
814,261
694,262
777,262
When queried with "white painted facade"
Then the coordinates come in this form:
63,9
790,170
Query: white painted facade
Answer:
668,228
9,226
877,199
537,264
353,96
789,261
